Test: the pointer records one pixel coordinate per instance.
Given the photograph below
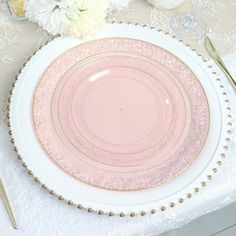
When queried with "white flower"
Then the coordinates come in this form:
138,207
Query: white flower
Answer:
51,15
77,17
89,16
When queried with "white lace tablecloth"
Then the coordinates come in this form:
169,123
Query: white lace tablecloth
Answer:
39,213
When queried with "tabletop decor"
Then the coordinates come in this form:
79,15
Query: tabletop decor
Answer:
116,123
17,8
72,17
99,173
217,58
66,17
205,185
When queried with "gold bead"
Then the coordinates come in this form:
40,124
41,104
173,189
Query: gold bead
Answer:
90,210
143,213
153,211
197,190
100,212
189,195
43,186
122,214
111,213
226,147
79,206
132,214
181,200
163,208
214,170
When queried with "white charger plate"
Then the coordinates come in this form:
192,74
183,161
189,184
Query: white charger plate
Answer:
94,198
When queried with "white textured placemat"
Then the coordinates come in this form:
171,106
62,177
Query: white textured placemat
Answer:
39,213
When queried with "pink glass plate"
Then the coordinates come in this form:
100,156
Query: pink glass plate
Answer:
120,114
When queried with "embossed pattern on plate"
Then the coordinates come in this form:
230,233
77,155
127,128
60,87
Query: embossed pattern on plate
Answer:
120,114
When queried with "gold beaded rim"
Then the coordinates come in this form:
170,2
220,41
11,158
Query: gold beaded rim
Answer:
173,204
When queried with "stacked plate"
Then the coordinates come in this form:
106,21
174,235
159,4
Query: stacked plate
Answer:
119,123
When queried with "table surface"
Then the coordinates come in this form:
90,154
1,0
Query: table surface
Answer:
39,213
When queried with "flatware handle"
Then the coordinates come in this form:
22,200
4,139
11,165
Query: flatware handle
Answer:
227,73
216,57
6,203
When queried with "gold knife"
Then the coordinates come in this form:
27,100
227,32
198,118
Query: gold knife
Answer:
6,203
215,55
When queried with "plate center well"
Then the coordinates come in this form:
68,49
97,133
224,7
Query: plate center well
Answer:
118,109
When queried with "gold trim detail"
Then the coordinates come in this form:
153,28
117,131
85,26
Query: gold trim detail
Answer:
197,190
132,214
163,208
153,211
143,213
181,200
111,213
100,212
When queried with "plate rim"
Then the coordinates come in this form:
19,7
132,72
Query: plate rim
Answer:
148,60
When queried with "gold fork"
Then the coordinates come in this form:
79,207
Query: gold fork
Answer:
216,57
6,203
